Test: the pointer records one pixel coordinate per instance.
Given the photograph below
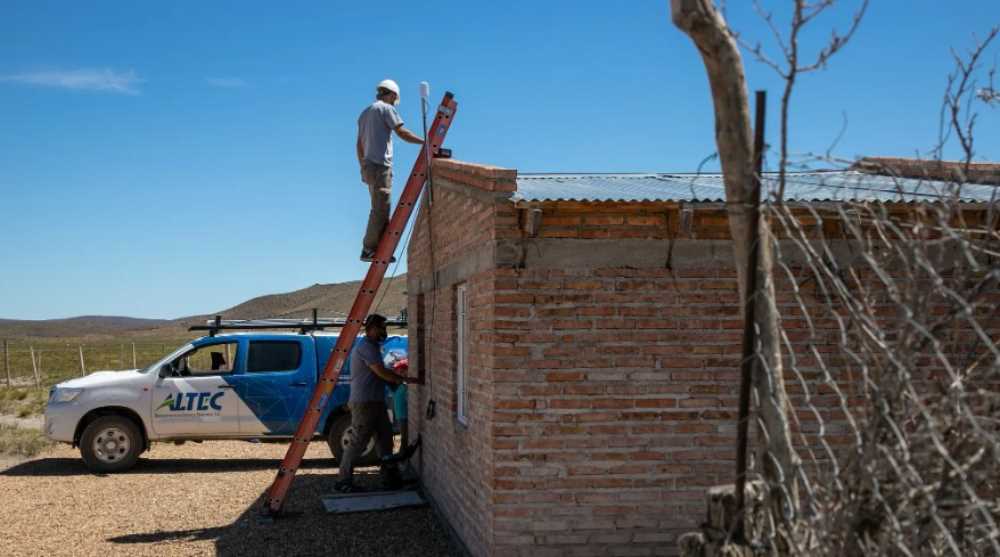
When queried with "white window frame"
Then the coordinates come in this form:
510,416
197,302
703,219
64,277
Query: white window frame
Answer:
461,353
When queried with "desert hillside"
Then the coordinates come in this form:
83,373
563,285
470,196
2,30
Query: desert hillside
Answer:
332,300
87,325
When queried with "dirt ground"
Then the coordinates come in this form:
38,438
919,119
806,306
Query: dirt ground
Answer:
196,499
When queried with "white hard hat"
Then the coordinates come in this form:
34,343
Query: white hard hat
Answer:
389,85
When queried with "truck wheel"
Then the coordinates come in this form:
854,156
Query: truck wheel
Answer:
338,438
110,444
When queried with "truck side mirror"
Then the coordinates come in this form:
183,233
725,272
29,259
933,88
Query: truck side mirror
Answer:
166,370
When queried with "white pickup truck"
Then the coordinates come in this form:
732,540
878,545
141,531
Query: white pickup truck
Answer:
230,386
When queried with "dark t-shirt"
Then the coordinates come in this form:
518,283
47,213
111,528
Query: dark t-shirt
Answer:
365,385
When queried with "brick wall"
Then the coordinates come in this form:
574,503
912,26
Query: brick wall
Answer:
594,425
456,461
604,354
615,391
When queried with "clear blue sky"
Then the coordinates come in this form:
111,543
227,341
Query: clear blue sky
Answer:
165,159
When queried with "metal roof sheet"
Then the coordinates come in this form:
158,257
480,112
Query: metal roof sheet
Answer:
846,185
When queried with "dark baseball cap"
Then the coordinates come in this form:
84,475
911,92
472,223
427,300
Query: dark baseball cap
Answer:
375,320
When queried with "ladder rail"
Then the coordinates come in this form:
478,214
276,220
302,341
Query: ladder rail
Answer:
275,496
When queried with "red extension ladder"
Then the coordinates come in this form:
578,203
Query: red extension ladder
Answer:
275,495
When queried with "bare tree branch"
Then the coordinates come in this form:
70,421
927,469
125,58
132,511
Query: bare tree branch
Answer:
802,15
768,18
789,69
960,84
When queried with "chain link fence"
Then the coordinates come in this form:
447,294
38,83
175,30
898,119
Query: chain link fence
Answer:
889,320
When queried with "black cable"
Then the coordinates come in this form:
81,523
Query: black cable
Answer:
395,267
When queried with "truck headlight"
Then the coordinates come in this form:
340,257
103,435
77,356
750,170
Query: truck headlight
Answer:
65,394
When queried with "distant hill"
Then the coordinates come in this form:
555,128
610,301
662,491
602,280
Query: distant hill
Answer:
86,325
331,300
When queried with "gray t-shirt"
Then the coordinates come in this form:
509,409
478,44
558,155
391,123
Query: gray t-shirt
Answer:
375,127
365,385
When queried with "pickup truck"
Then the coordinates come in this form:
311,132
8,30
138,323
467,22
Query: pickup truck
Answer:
251,386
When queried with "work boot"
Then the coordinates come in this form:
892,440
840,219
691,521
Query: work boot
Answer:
344,486
369,256
391,479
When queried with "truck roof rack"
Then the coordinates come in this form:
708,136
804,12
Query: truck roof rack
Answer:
316,323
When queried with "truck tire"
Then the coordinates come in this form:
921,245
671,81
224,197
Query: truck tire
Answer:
337,440
110,444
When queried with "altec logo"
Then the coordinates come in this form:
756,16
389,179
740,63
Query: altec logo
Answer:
192,401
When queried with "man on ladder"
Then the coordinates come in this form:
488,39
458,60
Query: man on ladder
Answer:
369,415
436,132
375,127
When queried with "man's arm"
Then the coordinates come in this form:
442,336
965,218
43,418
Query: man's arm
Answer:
407,135
361,157
386,374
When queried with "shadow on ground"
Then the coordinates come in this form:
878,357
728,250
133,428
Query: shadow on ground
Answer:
309,530
75,467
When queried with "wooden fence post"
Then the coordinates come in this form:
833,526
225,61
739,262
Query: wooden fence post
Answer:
83,366
134,364
34,366
6,361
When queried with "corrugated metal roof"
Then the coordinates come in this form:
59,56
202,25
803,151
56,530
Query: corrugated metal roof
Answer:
847,185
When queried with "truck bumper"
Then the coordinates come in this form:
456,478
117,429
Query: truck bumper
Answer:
60,421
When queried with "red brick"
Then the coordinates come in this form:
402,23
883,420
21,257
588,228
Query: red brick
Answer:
564,376
573,403
603,219
515,404
698,402
656,403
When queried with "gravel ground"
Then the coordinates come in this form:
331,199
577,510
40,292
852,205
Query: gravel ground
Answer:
197,499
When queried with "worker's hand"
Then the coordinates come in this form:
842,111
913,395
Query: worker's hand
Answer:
399,368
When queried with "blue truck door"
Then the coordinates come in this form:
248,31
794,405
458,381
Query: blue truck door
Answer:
342,390
276,384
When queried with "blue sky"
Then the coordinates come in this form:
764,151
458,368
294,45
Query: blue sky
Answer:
161,160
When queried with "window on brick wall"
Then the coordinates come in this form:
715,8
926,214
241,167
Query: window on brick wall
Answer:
421,339
461,353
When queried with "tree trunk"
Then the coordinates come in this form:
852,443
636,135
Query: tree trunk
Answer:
708,30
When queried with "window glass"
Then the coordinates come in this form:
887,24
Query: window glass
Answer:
273,355
211,359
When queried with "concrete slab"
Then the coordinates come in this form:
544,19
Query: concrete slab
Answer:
371,501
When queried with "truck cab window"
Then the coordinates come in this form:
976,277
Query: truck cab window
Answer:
271,355
212,359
